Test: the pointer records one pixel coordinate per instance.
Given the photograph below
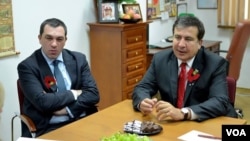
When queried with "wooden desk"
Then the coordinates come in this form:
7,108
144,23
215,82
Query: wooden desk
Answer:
213,46
111,120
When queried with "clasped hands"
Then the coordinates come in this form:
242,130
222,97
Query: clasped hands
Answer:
163,109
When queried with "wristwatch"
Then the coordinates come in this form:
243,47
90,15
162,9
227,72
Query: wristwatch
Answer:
185,111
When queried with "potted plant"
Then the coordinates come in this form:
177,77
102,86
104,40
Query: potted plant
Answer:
127,1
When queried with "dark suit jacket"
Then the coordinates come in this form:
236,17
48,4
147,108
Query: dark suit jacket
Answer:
41,101
207,96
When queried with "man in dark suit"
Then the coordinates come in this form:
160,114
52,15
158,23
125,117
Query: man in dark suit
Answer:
49,107
205,85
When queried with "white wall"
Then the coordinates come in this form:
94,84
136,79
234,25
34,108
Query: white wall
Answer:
28,15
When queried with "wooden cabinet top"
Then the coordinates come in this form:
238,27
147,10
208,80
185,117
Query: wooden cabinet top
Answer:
118,25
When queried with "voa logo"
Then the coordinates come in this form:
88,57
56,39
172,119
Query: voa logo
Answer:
236,132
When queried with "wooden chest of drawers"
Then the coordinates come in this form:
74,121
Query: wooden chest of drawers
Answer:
118,59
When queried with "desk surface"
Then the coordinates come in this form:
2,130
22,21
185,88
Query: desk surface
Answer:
111,120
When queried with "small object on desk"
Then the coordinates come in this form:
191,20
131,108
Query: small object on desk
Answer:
169,39
142,127
161,44
195,135
163,40
209,137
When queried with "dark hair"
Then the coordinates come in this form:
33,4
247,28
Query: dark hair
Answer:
186,21
53,22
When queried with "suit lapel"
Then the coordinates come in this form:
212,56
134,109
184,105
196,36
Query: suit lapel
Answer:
197,64
71,66
173,69
46,75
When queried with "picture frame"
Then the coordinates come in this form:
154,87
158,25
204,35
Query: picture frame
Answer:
181,1
207,4
108,11
134,7
181,9
151,12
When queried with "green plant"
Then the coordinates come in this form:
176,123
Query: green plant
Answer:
125,137
127,1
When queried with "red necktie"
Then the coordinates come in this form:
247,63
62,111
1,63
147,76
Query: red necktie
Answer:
181,85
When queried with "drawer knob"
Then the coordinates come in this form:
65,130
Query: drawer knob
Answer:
136,67
136,80
136,39
136,53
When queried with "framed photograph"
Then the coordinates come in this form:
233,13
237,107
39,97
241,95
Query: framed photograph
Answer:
207,4
151,12
181,1
108,11
181,9
133,9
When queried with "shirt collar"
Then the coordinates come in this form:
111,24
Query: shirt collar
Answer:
50,61
189,62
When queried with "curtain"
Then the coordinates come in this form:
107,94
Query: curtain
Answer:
230,12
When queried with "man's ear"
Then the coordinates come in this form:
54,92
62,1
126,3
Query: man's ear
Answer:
200,42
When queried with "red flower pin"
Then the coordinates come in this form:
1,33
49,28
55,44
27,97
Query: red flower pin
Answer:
193,75
49,81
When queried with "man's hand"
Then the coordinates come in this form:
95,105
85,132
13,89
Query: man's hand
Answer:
147,105
76,93
61,112
165,109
